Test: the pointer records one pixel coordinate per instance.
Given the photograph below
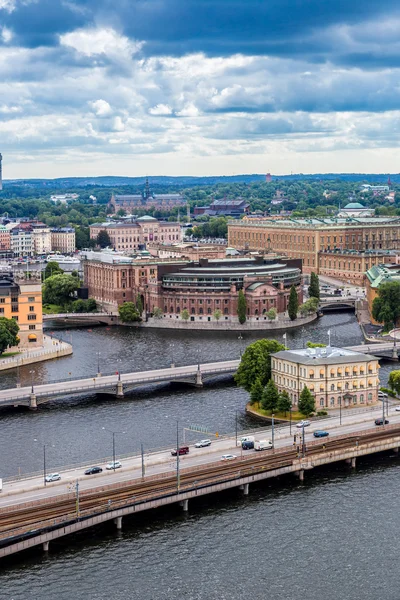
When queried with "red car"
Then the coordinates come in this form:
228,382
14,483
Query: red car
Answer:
182,450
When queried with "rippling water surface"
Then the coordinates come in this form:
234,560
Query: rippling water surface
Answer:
336,536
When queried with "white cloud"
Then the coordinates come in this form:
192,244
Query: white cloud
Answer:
8,5
94,42
189,110
6,35
101,108
161,109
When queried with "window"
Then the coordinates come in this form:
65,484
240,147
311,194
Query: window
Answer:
31,309
362,399
321,402
2,300
32,326
369,397
31,317
14,298
332,387
1,310
332,401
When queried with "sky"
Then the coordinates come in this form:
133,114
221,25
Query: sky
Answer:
198,87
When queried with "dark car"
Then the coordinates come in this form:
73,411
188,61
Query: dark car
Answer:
248,445
93,470
182,450
338,292
380,422
320,433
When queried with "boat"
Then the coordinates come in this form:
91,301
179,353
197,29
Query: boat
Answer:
63,260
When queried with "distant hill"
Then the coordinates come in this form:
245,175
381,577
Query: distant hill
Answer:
111,181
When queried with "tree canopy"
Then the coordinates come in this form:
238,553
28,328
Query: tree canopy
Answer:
386,306
8,333
313,288
394,381
52,268
242,306
256,363
270,396
103,239
306,402
60,289
293,304
284,402
128,312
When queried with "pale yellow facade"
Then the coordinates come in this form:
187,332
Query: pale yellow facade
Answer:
348,380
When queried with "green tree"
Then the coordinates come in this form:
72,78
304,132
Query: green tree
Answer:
8,333
386,306
157,312
139,304
103,239
394,381
313,288
52,268
270,397
293,304
271,314
256,392
128,312
60,289
241,308
217,315
256,363
306,402
284,402
315,345
185,315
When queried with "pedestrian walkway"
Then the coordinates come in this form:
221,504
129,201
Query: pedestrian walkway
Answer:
52,348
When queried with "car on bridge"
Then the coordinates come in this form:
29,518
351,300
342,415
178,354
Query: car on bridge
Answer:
202,443
93,470
114,465
303,424
320,433
228,457
181,450
52,477
380,422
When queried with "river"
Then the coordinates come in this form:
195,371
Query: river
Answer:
332,537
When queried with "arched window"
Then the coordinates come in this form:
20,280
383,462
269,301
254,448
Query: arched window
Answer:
321,402
362,399
311,374
165,309
209,311
225,311
332,387
171,310
346,386
256,311
332,401
369,397
193,311
200,311
178,309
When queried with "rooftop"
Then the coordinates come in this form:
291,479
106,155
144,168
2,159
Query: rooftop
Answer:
323,356
322,223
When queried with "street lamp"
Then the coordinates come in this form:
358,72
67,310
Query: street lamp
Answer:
304,445
236,427
290,420
240,338
98,363
32,374
340,410
177,457
273,432
114,433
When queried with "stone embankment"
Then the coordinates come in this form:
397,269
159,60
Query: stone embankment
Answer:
221,325
52,348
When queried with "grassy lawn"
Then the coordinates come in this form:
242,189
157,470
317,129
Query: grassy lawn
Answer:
8,354
52,309
296,416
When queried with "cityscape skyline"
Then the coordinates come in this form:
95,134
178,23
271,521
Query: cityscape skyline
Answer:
153,89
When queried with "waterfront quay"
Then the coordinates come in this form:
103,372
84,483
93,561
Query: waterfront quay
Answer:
64,510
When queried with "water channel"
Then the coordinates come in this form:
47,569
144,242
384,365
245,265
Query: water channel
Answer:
286,541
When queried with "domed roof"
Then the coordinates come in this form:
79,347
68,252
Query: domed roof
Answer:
146,218
353,205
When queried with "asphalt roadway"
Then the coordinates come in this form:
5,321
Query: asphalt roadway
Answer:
33,489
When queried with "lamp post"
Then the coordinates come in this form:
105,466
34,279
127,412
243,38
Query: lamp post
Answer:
240,338
236,427
114,433
98,363
44,463
304,445
340,410
142,453
290,420
18,385
32,374
177,457
273,432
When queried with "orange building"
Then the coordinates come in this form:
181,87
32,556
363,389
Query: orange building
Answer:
21,300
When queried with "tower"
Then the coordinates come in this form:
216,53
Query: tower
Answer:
268,178
1,172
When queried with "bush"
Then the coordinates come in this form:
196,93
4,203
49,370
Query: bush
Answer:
322,413
388,391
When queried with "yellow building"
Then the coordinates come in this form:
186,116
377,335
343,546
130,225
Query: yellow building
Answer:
335,376
63,240
21,299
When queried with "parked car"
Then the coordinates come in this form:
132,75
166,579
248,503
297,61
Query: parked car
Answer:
93,470
114,465
397,408
380,422
228,457
303,424
52,477
202,443
382,395
181,450
320,433
249,445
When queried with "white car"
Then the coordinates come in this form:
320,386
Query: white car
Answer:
113,465
397,408
52,477
228,457
202,443
303,424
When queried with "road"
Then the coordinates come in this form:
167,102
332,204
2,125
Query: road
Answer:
33,489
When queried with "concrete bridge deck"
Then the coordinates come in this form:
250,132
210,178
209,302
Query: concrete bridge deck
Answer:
102,318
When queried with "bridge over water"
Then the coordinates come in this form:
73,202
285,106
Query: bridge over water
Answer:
83,318
119,384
